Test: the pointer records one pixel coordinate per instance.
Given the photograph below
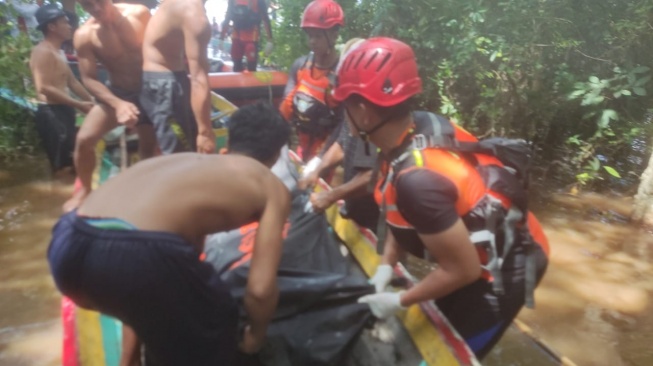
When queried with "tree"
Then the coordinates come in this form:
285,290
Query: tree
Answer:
573,77
17,132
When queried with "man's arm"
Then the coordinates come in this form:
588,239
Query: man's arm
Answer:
458,265
197,33
262,293
427,200
392,252
356,187
333,156
42,61
78,88
88,69
289,91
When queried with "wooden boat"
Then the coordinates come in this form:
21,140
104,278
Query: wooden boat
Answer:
238,87
422,336
245,87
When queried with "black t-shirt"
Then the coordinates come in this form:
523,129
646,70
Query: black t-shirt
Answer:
427,200
356,158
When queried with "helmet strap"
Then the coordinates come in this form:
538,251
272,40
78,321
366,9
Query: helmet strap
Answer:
365,135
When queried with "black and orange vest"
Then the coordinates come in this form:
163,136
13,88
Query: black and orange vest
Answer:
491,201
313,110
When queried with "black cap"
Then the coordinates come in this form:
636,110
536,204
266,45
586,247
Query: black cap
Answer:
48,13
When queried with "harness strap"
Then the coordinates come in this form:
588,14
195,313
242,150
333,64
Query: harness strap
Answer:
510,221
383,215
530,267
493,211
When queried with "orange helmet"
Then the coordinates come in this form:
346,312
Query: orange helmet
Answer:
381,70
322,14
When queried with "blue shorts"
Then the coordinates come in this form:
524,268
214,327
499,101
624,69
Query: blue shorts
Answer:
154,282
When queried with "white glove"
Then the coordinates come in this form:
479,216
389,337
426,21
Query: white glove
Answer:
311,166
381,278
383,305
267,50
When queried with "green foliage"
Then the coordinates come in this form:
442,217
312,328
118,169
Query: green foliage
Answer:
573,77
17,135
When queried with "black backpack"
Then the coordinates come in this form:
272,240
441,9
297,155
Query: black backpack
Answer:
243,16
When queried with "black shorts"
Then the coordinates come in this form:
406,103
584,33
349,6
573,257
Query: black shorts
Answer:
165,96
154,282
480,315
131,97
55,124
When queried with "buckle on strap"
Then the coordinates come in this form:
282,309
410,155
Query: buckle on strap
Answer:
419,142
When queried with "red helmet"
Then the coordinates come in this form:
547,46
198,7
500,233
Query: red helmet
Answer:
323,14
381,70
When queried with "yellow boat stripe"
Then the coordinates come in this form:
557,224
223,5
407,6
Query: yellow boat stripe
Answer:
426,338
89,338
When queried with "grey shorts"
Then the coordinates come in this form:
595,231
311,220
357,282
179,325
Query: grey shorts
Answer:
165,96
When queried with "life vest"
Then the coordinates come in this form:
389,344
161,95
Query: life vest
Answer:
491,199
245,14
313,111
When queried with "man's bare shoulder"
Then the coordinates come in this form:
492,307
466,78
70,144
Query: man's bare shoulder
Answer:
192,10
40,50
83,34
137,10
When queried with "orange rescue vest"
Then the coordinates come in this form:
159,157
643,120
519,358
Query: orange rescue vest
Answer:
313,111
491,202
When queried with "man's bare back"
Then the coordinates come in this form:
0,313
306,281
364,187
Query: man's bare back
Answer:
179,31
163,46
189,194
116,41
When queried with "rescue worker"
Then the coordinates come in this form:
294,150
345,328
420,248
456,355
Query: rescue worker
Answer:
465,209
245,17
358,161
307,103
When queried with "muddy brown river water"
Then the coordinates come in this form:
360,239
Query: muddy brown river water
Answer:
594,306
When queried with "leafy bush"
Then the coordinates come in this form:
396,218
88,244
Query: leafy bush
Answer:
573,77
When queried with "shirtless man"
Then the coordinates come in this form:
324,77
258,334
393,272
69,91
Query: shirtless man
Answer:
55,116
114,37
178,107
136,243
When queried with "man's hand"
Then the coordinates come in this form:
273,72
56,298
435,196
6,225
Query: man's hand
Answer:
85,107
267,50
382,277
251,342
127,113
308,181
206,142
310,174
321,201
383,305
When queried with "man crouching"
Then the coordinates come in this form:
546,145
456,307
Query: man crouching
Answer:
132,248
